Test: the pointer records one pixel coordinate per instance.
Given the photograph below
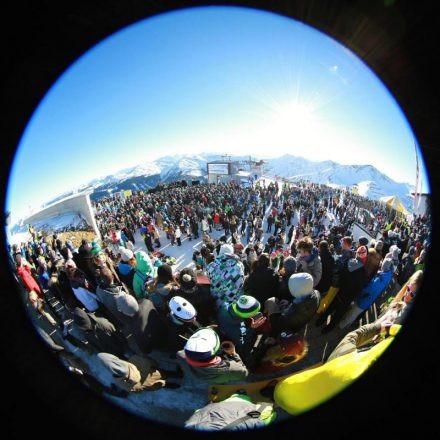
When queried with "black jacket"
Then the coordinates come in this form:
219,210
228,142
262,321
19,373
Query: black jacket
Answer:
202,301
262,284
296,316
328,266
147,327
353,279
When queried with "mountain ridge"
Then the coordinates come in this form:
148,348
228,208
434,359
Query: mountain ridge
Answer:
370,181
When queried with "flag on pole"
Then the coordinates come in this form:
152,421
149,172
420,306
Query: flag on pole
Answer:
417,179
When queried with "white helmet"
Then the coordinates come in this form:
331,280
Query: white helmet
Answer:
182,309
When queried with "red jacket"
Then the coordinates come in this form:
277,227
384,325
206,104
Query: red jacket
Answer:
24,272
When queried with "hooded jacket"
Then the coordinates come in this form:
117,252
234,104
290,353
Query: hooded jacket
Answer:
312,265
328,266
226,275
230,368
107,297
235,329
296,315
374,289
262,284
143,270
373,262
126,274
352,280
237,412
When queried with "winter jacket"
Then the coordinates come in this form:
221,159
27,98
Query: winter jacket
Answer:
161,294
237,330
236,413
328,266
226,274
262,284
296,315
143,270
231,368
147,327
174,332
374,289
126,274
202,300
107,297
407,269
352,280
373,262
312,265
103,336
24,272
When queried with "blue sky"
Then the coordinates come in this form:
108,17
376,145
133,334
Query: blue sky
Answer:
208,79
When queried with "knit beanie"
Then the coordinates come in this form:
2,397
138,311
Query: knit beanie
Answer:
300,284
289,265
165,272
363,241
188,280
246,306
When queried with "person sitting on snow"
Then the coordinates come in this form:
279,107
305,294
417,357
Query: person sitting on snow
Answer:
239,322
370,293
203,360
295,315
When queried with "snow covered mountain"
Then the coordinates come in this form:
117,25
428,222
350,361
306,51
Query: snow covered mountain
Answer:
369,180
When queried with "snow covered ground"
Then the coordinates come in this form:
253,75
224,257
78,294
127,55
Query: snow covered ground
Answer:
184,253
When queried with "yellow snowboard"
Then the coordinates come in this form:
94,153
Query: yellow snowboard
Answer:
327,300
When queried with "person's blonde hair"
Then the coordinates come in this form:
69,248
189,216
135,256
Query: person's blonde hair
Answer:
416,279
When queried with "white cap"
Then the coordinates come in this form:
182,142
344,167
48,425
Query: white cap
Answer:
182,309
126,254
226,249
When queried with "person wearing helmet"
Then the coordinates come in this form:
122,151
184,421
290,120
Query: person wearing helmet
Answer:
302,308
239,322
204,361
180,323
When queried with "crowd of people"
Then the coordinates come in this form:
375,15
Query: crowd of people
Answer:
240,307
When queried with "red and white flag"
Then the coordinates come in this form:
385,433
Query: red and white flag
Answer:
417,180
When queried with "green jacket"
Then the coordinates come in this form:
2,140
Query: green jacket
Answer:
144,270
